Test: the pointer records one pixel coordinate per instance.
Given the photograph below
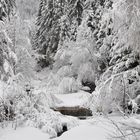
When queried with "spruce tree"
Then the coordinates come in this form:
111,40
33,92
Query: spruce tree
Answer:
56,21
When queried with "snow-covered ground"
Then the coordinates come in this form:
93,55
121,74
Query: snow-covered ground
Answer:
26,133
71,100
90,130
98,128
95,128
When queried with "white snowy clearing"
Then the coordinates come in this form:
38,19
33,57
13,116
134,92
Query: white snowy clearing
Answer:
98,128
25,133
90,130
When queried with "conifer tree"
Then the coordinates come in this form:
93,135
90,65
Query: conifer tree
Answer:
6,7
6,54
57,20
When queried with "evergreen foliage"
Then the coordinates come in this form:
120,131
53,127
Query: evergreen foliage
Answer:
7,56
57,20
92,46
6,8
8,59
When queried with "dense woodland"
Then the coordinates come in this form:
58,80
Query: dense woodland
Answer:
84,48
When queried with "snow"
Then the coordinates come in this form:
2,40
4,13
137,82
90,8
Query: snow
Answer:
2,88
72,100
132,122
70,121
85,132
6,66
98,128
26,133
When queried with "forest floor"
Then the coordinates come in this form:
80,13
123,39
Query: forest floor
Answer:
95,127
98,128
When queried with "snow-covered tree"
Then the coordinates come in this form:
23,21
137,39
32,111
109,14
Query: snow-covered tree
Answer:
7,56
57,20
6,7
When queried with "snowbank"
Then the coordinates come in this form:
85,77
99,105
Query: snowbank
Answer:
92,129
26,133
84,133
98,128
71,100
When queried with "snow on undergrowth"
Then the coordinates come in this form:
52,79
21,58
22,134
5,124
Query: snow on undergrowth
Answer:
34,110
100,128
100,58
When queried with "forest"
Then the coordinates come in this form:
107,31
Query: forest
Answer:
69,69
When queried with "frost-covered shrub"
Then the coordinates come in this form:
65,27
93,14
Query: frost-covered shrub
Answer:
34,111
10,93
120,67
131,63
75,63
65,71
86,73
80,56
24,52
49,122
116,90
7,57
67,85
7,112
25,64
53,80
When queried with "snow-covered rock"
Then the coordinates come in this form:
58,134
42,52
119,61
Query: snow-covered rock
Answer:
85,88
72,100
